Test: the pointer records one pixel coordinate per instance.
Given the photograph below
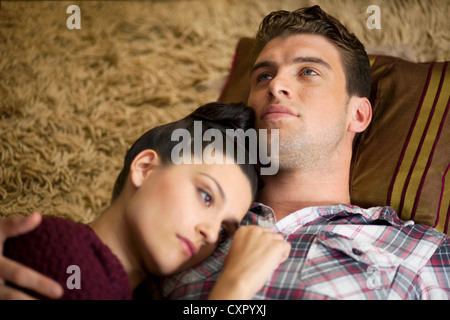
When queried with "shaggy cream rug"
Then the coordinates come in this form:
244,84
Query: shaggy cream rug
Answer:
72,101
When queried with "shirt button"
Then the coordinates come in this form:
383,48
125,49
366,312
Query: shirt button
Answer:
357,251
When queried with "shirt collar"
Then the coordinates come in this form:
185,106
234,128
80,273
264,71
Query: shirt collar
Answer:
264,216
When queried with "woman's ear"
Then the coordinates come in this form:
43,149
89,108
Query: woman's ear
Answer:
361,114
142,165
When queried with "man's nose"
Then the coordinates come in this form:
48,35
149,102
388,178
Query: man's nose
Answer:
279,87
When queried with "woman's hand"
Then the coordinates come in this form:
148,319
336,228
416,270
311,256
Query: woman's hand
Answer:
18,274
254,254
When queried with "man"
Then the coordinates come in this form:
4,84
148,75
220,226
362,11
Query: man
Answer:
311,80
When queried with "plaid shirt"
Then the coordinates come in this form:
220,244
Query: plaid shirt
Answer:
339,252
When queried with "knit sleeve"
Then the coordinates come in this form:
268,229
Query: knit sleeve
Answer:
72,254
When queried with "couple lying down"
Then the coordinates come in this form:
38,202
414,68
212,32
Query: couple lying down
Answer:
310,79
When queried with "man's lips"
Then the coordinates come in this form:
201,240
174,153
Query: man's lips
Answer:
188,247
277,111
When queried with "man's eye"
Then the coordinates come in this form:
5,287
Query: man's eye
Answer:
207,199
309,72
264,77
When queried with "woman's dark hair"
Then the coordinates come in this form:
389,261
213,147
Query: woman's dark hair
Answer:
213,115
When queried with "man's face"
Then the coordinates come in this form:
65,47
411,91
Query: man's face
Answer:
298,86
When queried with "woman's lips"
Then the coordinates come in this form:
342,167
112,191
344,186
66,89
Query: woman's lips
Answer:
188,247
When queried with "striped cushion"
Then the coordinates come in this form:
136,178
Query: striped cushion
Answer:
403,158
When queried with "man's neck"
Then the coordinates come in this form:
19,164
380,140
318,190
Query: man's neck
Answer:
287,192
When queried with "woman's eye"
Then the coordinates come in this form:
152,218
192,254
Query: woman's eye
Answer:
207,199
223,233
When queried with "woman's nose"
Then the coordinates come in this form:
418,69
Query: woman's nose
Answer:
209,231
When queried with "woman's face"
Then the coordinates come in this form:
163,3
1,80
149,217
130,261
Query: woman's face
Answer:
180,212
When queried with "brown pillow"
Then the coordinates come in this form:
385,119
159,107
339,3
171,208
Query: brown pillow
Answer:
403,158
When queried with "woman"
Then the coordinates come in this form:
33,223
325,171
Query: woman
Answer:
163,218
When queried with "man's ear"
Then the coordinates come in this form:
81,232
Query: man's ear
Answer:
142,166
360,112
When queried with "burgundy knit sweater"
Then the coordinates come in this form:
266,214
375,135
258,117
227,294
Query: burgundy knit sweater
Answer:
58,243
